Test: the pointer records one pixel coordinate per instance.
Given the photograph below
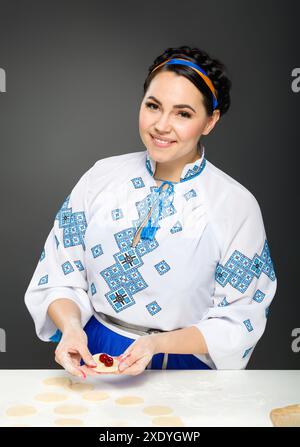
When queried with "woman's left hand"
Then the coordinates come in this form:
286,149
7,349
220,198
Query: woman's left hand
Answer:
137,356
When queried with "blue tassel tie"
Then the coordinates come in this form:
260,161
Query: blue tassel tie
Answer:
149,231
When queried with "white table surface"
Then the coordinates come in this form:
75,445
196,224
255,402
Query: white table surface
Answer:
199,398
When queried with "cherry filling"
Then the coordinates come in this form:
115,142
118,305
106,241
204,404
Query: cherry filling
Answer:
106,359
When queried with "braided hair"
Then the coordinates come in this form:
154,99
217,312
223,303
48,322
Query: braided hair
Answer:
215,70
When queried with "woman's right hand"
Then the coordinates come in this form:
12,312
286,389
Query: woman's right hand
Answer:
71,349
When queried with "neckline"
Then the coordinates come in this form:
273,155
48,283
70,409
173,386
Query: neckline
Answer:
189,171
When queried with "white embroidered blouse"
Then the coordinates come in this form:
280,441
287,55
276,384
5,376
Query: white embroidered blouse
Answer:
201,257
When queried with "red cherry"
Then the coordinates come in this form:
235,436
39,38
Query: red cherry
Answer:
103,357
109,361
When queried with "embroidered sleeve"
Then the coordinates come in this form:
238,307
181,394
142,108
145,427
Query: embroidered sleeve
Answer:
245,285
61,270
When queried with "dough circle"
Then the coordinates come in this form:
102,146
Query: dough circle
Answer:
129,400
286,416
51,397
21,410
67,422
80,387
157,410
70,409
107,369
95,395
168,421
57,381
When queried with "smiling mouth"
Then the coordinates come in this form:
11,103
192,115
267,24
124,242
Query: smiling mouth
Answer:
161,142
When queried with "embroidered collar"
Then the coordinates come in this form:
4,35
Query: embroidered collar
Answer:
189,171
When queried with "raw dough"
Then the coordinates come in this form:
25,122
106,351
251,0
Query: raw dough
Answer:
155,410
107,369
286,416
57,381
168,421
95,395
65,422
80,387
70,409
21,410
129,400
51,397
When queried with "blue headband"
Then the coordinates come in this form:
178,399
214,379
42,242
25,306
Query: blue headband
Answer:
199,70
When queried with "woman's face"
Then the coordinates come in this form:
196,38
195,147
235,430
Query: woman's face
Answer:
160,115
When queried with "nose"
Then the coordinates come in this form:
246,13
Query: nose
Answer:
162,125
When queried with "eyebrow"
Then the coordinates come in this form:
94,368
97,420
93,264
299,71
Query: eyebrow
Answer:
177,106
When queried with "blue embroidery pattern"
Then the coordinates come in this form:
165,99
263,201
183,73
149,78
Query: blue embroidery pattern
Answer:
93,289
74,225
188,195
42,255
123,277
176,227
240,270
248,325
193,172
267,311
128,259
117,214
162,267
97,250
138,182
67,267
247,352
79,265
153,308
259,296
43,280
223,303
144,206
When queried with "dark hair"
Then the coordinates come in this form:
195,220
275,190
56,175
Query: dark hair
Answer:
215,70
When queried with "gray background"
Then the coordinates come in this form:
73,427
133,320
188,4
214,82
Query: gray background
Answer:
75,72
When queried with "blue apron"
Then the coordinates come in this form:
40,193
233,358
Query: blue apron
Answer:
103,339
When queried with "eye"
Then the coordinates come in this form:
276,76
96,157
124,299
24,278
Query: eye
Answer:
149,104
187,115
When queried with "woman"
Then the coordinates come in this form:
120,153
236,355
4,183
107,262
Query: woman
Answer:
158,256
